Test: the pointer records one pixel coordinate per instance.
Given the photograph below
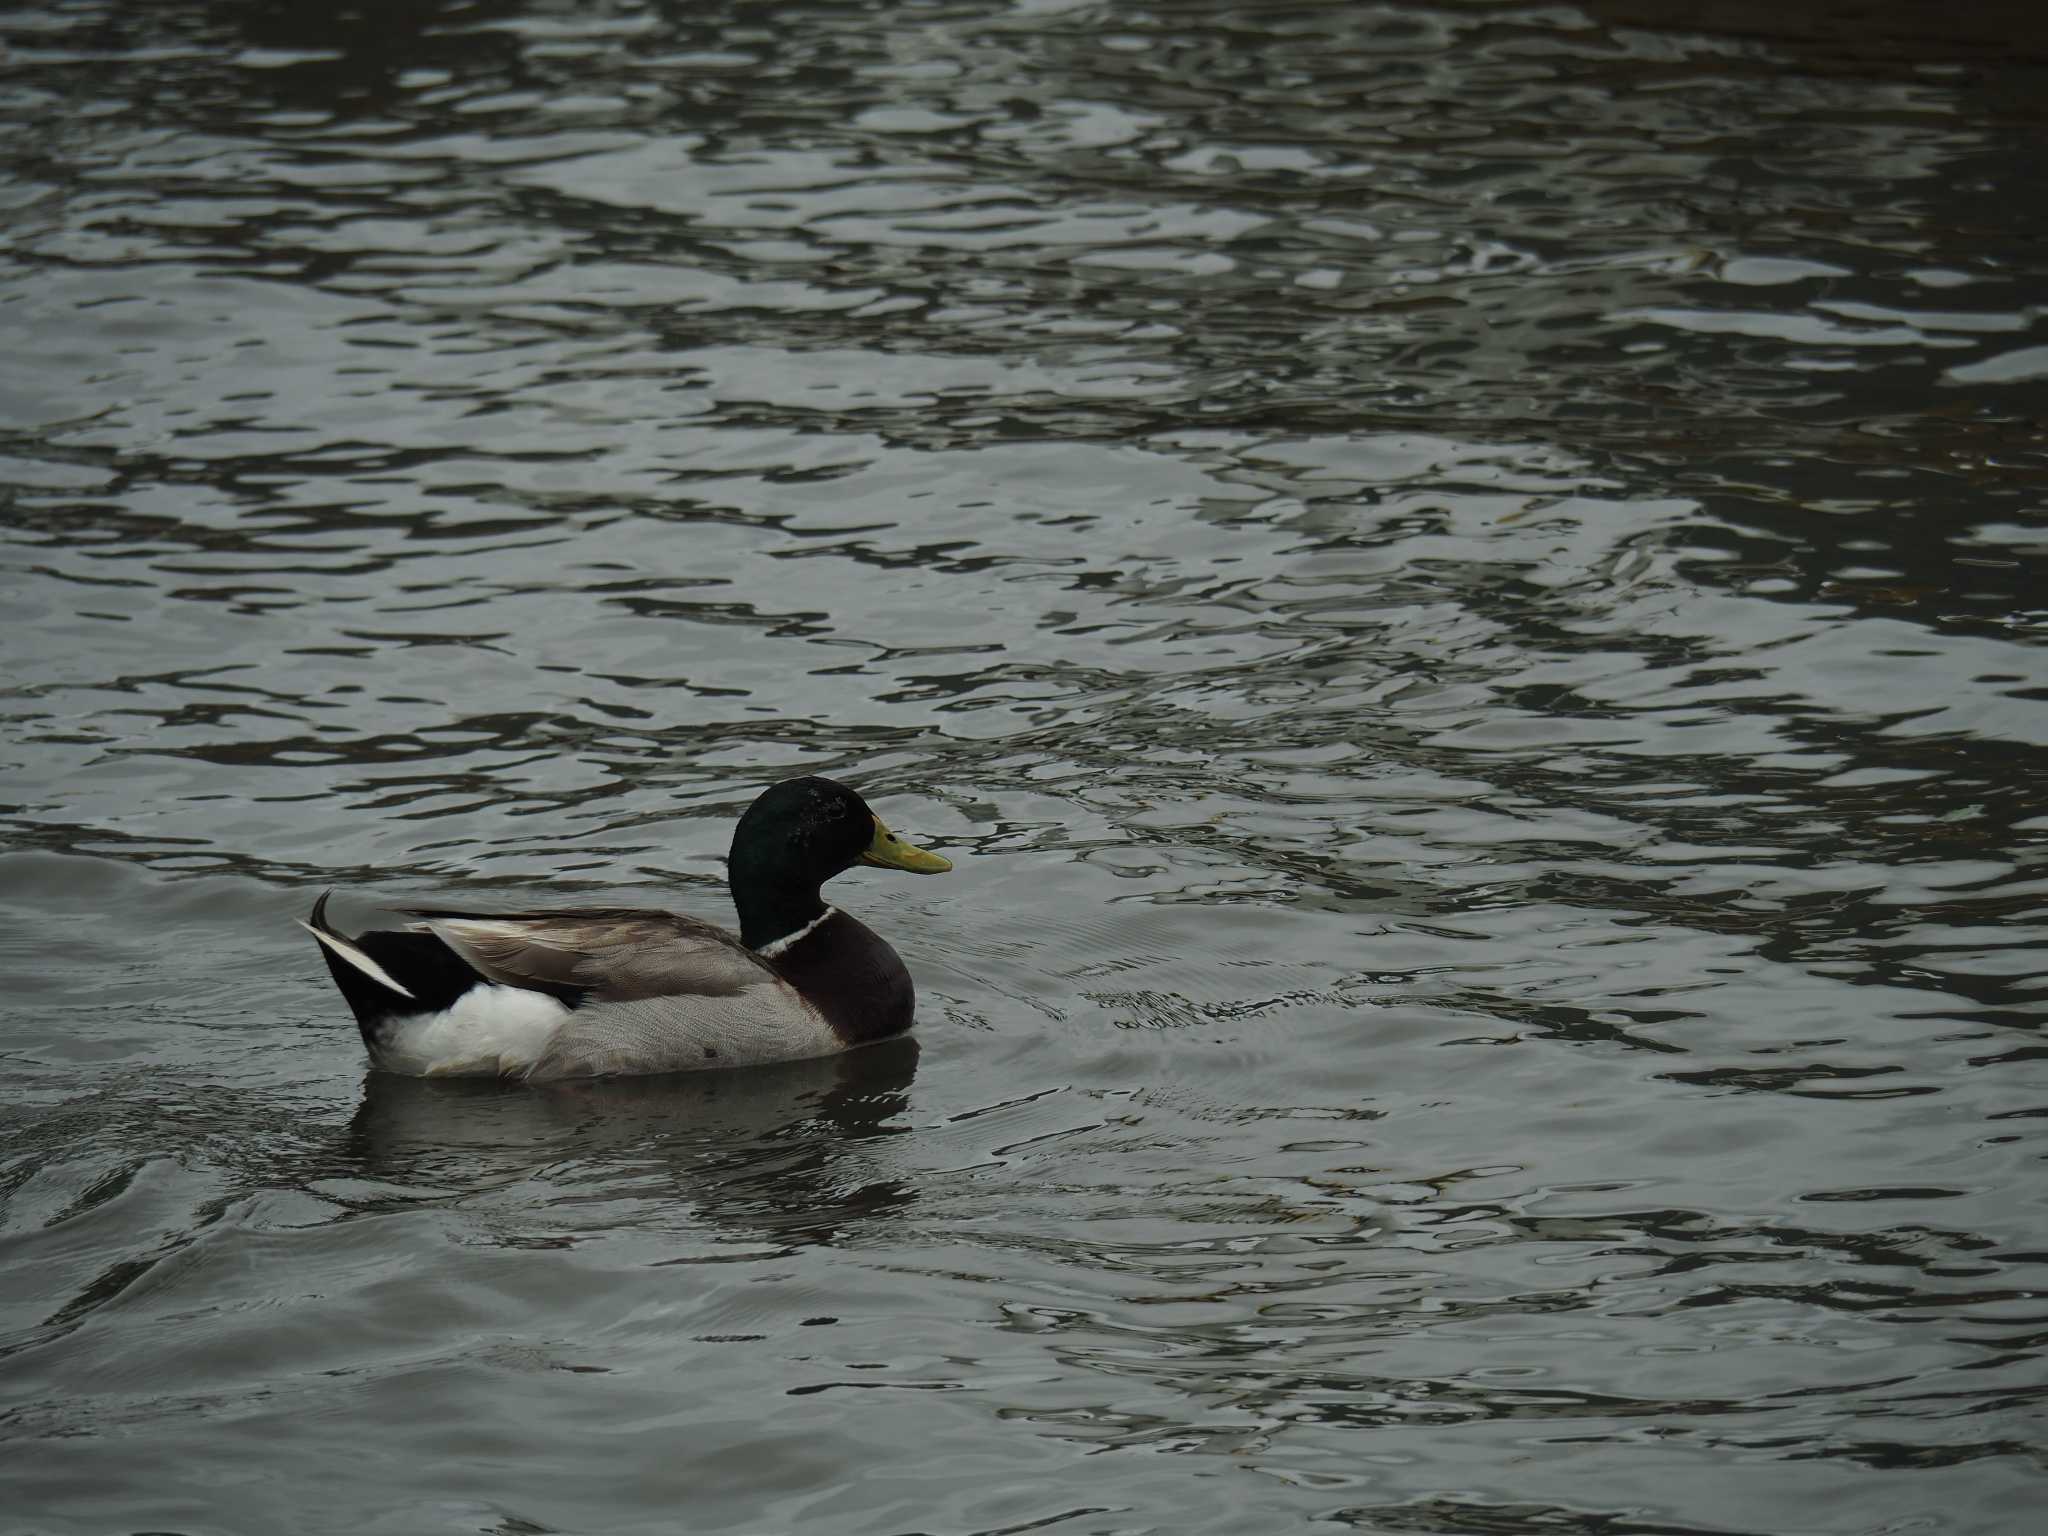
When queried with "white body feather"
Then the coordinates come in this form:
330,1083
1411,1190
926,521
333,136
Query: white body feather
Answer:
491,1031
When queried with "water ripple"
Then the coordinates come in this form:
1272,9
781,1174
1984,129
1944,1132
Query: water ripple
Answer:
1463,585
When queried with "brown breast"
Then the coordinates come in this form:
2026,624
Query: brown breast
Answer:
850,975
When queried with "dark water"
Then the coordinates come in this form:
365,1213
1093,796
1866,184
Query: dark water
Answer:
1464,583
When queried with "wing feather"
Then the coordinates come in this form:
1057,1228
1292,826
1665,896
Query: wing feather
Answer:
607,955
651,991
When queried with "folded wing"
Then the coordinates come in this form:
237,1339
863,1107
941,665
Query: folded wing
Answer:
601,954
650,991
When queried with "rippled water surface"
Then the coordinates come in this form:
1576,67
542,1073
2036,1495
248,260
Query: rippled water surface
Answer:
1463,583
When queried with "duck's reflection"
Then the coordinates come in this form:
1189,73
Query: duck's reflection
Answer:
794,1152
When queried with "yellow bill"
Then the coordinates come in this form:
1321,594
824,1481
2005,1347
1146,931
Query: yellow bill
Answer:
888,851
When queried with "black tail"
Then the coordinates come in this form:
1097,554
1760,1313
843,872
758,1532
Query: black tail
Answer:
386,976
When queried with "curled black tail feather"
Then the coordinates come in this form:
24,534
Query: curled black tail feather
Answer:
432,973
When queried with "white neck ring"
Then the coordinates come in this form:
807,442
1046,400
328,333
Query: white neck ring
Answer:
782,946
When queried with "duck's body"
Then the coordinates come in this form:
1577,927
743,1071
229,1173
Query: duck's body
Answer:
608,991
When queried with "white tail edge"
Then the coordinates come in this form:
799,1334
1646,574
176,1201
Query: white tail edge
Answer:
357,958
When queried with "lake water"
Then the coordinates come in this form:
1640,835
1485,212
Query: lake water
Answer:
1464,584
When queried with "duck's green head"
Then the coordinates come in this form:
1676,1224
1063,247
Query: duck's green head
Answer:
797,835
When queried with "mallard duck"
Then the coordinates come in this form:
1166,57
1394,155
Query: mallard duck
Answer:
609,990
